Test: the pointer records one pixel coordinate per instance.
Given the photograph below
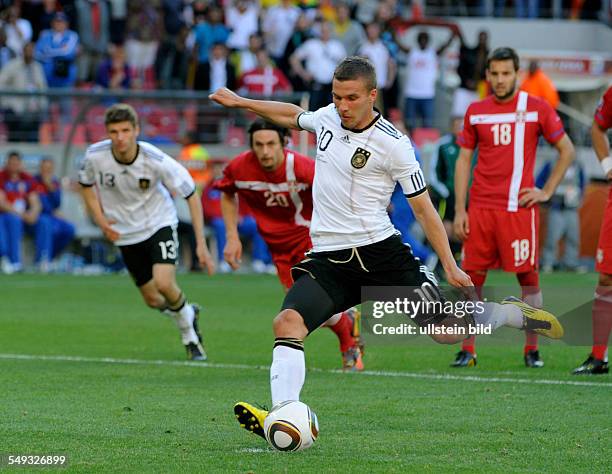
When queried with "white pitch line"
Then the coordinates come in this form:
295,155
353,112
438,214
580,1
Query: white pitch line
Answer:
371,373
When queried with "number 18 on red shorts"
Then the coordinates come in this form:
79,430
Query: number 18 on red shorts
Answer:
502,239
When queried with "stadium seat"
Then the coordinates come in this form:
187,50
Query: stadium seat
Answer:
236,136
94,124
163,124
421,136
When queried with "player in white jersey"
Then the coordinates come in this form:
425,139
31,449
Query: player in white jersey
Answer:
133,206
360,157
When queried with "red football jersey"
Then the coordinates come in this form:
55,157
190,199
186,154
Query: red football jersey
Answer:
603,114
19,189
506,135
281,201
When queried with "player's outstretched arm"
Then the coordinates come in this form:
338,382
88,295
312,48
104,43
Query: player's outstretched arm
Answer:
531,196
462,179
232,253
281,113
430,221
197,221
601,145
93,205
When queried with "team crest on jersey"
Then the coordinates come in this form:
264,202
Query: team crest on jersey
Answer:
360,158
144,183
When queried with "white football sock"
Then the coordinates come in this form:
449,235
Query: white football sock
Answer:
497,315
184,320
287,374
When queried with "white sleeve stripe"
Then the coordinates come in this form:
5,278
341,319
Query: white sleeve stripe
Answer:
418,182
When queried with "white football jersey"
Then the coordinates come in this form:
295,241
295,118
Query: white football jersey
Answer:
355,174
136,195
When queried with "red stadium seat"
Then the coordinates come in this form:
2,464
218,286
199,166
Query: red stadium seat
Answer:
236,136
421,136
94,124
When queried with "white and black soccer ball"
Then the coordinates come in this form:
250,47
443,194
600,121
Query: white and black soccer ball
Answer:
291,426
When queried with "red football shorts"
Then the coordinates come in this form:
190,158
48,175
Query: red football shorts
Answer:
603,257
502,239
287,259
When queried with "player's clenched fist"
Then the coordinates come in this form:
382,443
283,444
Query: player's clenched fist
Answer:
226,97
461,225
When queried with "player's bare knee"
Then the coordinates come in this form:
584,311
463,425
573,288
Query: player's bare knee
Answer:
289,323
167,288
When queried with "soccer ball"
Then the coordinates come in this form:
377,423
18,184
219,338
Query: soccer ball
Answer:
291,426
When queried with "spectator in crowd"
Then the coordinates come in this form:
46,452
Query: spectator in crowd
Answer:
55,232
210,76
527,8
19,207
172,63
384,16
217,72
471,71
241,17
143,27
321,56
199,10
523,8
6,53
349,32
300,35
310,8
114,72
384,65
93,27
22,114
56,49
537,83
247,226
266,79
118,21
207,33
18,30
366,11
278,26
40,15
245,60
585,9
421,77
563,218
171,60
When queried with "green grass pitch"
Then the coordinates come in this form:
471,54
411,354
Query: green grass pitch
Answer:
88,371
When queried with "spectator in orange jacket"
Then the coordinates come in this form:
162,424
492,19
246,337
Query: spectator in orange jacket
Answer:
538,84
